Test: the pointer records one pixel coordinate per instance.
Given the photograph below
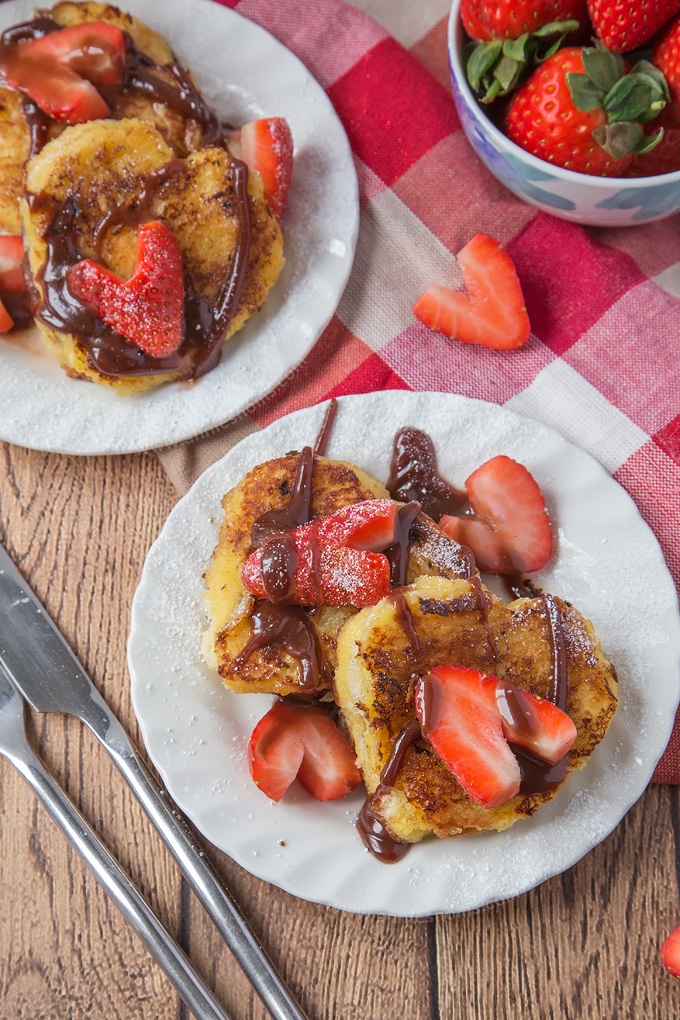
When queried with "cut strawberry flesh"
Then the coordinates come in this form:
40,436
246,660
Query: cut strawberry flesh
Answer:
266,146
534,724
510,531
59,71
493,311
6,320
11,269
147,308
459,715
301,741
670,953
328,561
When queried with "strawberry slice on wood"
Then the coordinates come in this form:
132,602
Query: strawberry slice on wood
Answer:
534,724
510,531
334,560
459,715
59,71
492,313
147,308
11,264
670,953
301,741
266,146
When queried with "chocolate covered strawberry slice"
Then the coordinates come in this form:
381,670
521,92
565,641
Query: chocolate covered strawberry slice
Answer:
266,146
459,715
295,741
534,724
510,531
334,560
60,71
147,308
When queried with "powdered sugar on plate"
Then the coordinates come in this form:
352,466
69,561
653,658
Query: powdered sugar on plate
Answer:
606,561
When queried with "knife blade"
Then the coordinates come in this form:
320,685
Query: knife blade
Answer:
37,659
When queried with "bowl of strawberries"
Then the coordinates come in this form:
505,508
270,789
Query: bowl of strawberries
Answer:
574,105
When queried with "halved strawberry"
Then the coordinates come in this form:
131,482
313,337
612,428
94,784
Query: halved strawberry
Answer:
510,530
301,741
147,308
492,313
59,71
534,724
459,715
267,146
11,269
6,320
670,953
329,559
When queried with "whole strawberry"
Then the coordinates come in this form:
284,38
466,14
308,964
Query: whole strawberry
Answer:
511,38
624,25
580,110
665,157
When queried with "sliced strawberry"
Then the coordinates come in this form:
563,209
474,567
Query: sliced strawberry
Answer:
6,320
534,724
301,741
459,715
510,530
492,313
267,146
328,561
59,71
147,308
670,953
11,265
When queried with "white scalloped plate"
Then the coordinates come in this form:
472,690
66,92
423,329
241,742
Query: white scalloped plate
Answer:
245,73
607,562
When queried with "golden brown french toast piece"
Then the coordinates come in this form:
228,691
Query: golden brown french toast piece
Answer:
375,681
107,167
268,487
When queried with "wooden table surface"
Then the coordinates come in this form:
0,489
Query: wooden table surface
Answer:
583,945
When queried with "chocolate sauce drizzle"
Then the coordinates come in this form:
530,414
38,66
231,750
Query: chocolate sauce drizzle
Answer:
414,476
297,512
397,554
326,428
375,835
289,628
205,323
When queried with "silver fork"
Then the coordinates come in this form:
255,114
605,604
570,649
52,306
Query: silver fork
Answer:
15,747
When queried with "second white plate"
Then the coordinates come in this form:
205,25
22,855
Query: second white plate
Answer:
606,561
245,73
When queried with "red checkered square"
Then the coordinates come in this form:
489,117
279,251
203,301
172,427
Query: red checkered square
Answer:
392,110
668,439
569,279
372,375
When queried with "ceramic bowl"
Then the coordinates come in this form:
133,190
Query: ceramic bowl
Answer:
598,201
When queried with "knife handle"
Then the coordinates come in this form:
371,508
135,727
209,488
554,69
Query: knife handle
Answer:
197,870
134,908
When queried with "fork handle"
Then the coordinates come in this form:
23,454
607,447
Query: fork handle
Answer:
197,870
134,908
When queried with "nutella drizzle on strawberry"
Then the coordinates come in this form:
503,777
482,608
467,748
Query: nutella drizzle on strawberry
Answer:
397,554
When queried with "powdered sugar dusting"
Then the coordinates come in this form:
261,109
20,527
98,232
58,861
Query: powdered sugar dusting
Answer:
606,562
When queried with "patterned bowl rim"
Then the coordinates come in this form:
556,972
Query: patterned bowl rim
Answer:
455,38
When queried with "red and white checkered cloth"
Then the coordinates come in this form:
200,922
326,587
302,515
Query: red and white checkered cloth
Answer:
602,366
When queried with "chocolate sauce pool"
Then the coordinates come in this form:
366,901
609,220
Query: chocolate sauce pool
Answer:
205,323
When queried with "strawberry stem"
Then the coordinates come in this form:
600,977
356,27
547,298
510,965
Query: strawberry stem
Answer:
496,68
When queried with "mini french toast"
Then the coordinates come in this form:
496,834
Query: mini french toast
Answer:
383,651
271,668
118,304
86,194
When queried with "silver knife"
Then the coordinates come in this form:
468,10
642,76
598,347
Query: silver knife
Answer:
37,659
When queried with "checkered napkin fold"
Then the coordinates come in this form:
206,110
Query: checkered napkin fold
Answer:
602,366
